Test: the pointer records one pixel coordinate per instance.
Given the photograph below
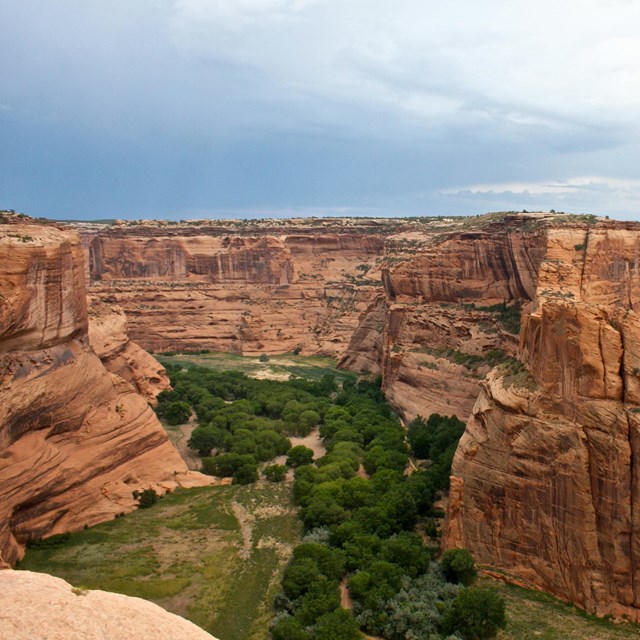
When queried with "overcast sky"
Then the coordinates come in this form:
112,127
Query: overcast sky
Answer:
227,108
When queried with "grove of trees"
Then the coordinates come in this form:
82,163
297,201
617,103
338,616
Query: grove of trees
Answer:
359,507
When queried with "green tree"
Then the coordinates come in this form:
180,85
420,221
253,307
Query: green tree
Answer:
299,455
458,566
322,597
337,625
329,561
309,418
205,438
175,412
475,614
289,629
299,576
419,437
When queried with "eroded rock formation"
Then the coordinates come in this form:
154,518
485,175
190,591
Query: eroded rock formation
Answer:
110,341
36,605
75,439
545,481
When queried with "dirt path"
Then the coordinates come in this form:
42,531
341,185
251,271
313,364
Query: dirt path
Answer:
190,457
246,528
313,441
345,598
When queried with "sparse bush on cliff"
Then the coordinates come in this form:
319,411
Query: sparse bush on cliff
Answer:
147,498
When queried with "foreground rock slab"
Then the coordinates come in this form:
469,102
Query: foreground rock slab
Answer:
37,606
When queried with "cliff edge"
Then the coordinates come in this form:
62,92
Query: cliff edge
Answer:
36,606
75,439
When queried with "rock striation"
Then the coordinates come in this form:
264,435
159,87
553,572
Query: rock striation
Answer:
545,482
37,606
75,439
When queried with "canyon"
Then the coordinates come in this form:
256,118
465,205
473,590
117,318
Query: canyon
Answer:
523,323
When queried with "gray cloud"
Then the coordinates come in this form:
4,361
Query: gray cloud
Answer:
172,106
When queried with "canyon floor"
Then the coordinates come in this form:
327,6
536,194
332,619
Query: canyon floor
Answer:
280,367
214,555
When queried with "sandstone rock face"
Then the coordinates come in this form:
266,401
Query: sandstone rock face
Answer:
37,606
75,439
109,339
237,288
545,480
443,320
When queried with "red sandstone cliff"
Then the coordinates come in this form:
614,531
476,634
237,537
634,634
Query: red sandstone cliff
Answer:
451,300
545,480
238,287
75,440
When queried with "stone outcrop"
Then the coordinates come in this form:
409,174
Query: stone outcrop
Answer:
36,605
110,341
545,482
75,439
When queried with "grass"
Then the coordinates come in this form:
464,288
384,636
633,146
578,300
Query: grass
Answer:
277,367
534,615
213,555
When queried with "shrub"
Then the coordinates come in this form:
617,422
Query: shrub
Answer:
275,472
263,357
147,498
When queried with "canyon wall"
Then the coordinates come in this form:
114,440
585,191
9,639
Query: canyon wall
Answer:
75,439
450,311
545,482
109,339
237,287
